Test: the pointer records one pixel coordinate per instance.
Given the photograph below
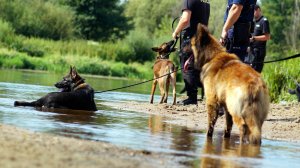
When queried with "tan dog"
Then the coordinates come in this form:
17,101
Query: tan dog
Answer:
162,67
232,84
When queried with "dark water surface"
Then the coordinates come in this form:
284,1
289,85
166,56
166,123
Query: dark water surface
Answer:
131,129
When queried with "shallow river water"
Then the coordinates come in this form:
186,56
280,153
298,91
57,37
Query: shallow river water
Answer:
131,129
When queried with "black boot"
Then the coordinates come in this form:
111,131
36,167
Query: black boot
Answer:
182,102
192,99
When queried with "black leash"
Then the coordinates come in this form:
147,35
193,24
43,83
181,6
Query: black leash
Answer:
282,59
173,46
123,87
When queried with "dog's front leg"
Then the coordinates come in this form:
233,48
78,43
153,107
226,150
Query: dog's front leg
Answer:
212,118
153,90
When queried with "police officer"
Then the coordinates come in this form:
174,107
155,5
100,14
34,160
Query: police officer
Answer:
259,39
236,30
193,12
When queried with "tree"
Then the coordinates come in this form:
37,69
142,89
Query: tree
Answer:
36,18
148,14
100,19
284,23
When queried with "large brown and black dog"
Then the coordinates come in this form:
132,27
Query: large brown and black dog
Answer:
75,94
162,67
232,84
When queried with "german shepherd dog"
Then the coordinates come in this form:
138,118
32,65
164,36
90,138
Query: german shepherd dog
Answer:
75,94
231,84
162,67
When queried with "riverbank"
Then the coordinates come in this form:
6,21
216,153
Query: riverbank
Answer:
21,148
283,121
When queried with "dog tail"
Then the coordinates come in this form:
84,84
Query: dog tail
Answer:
256,110
22,103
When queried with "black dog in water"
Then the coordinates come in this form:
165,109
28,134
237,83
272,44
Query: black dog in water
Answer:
75,94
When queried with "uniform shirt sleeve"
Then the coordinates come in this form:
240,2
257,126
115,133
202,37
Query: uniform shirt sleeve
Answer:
265,26
242,2
187,5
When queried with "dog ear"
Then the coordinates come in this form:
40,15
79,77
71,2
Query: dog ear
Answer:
156,49
74,73
203,34
71,68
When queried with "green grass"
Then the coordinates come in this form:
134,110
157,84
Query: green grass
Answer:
281,76
10,59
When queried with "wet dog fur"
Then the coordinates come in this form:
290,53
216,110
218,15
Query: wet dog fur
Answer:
75,94
231,84
163,66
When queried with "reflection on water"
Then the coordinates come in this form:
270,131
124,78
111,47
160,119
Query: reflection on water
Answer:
183,139
130,129
70,116
228,153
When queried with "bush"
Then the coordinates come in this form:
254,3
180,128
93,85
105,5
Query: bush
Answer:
15,62
7,34
123,70
94,68
280,77
141,45
38,18
124,53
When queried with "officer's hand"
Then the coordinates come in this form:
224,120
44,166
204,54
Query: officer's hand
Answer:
222,41
252,39
174,35
223,38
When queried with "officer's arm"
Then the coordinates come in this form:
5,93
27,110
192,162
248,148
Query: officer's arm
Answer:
183,22
233,15
264,37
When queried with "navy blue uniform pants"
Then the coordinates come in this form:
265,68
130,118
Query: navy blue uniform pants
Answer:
259,57
191,76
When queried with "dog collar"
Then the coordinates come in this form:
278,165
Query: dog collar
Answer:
165,56
80,86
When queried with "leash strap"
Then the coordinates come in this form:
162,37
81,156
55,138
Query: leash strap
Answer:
283,59
123,87
287,58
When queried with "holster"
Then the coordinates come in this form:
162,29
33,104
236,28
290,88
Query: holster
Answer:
241,32
185,47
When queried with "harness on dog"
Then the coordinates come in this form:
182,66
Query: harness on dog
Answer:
79,84
165,56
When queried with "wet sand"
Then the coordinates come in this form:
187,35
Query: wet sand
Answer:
22,148
283,121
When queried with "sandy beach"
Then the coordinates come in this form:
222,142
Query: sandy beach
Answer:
23,148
